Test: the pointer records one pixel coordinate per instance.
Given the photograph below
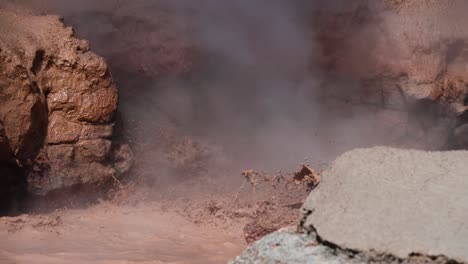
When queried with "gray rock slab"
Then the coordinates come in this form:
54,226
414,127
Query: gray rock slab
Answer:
392,200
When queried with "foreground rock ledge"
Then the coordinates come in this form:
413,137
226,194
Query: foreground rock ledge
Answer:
381,199
57,102
392,200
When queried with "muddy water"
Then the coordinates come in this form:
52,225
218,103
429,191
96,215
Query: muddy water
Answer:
107,234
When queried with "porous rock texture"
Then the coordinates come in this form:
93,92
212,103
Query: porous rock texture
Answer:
57,104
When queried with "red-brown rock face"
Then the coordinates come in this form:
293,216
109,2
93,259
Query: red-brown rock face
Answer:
57,103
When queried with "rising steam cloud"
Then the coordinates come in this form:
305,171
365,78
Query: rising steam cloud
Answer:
257,88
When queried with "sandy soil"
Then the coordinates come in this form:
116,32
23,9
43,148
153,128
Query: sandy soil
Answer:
106,233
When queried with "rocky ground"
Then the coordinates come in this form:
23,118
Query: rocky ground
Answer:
378,205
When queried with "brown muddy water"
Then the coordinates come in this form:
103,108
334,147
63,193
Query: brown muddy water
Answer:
109,234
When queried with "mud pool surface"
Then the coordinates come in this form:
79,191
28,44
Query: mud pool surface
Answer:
107,233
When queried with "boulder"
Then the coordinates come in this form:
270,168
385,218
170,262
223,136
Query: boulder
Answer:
393,200
57,103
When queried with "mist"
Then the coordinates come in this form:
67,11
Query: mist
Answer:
249,81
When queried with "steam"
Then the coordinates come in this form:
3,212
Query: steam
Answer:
258,88
254,84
